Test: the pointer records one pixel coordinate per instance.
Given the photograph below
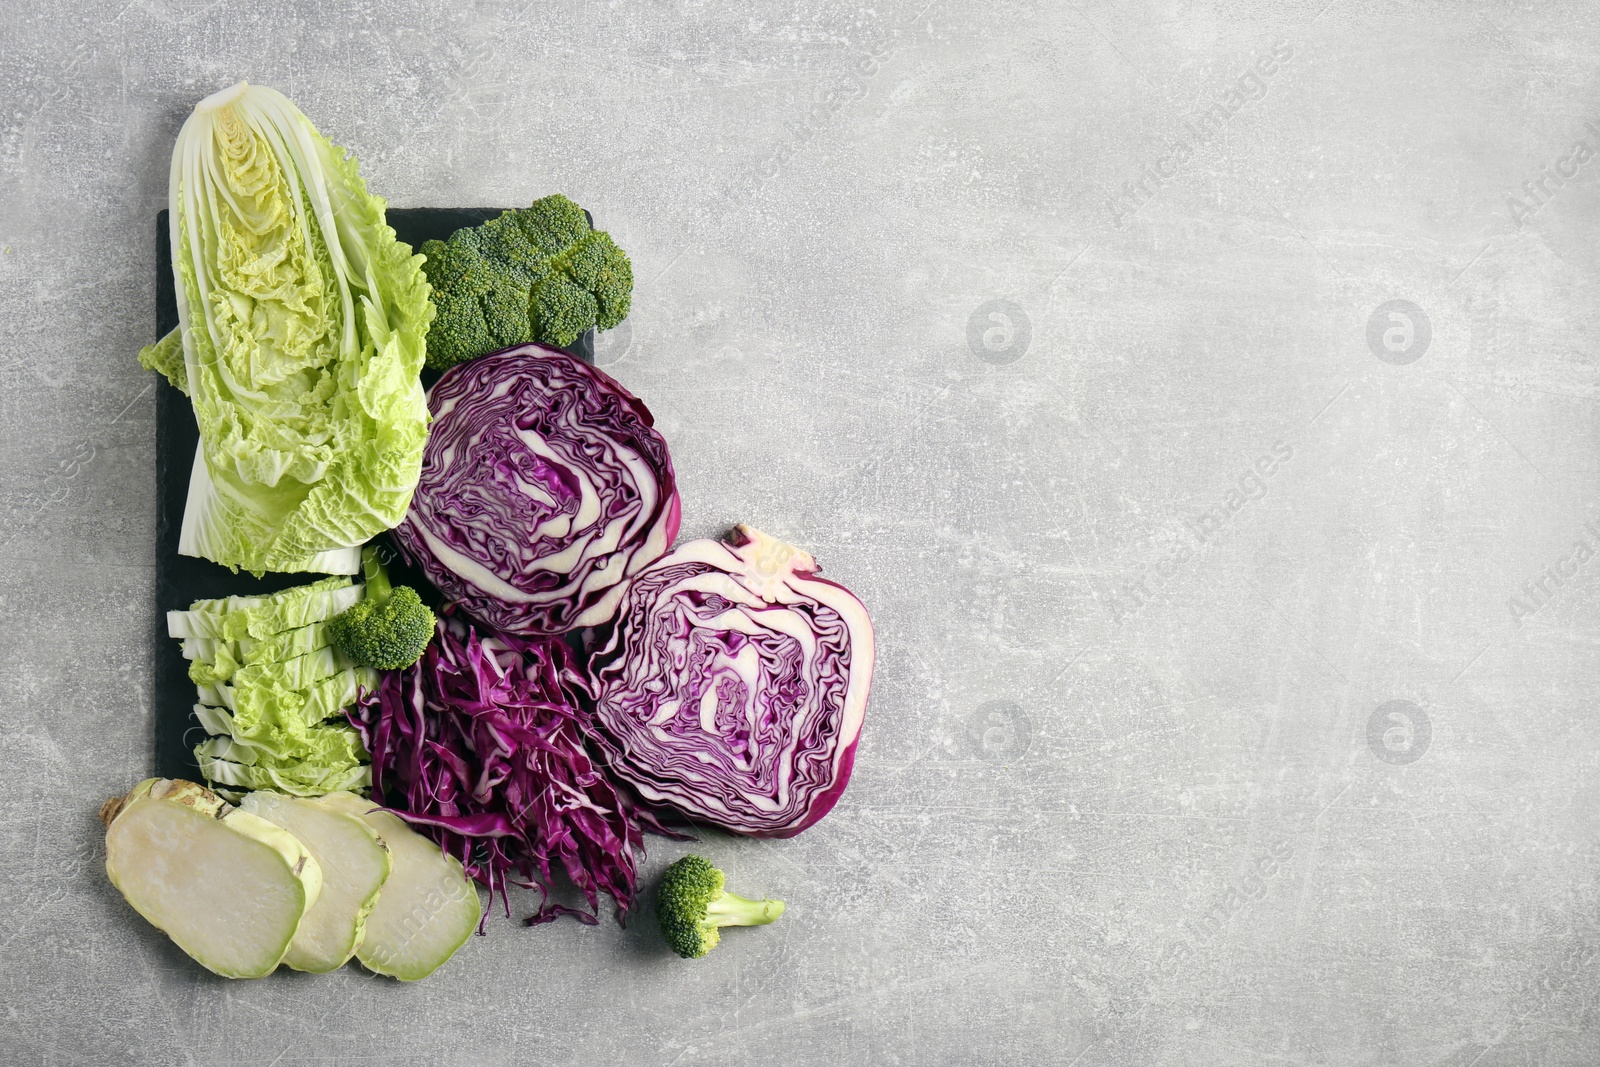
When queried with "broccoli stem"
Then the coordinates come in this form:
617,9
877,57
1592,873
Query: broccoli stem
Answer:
376,578
730,909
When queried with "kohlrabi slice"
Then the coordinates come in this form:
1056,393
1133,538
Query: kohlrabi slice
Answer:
355,864
228,887
428,907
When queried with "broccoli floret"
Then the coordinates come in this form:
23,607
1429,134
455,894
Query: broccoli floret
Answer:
553,224
505,317
503,242
561,311
539,274
692,905
456,271
448,263
604,269
388,628
458,333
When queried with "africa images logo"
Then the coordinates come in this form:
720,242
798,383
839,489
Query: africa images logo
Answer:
998,332
1542,588
1248,87
1399,332
1000,730
1543,189
1250,485
1399,732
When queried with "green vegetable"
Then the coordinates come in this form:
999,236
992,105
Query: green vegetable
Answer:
692,905
302,326
428,907
237,618
355,864
268,680
230,888
541,274
389,628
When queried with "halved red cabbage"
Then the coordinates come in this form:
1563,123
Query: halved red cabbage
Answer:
479,746
733,685
544,485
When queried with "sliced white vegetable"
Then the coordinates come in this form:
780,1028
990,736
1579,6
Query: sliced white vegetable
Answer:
355,864
203,648
228,887
428,907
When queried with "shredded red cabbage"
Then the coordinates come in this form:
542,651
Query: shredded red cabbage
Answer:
480,745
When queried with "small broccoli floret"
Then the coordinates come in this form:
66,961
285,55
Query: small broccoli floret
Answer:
388,628
692,906
604,269
554,224
459,332
539,274
505,316
561,311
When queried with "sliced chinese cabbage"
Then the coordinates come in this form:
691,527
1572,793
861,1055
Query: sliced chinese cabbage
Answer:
237,618
228,887
321,701
280,646
268,680
302,326
300,779
324,758
428,907
355,864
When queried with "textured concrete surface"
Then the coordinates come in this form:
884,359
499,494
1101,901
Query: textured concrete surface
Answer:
1240,627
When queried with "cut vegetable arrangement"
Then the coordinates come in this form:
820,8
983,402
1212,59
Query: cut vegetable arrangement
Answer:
171,845
552,684
355,865
428,907
286,880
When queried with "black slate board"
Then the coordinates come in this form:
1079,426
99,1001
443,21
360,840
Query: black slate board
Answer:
181,580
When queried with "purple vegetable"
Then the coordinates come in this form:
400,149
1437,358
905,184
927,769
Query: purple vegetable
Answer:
479,746
733,685
544,485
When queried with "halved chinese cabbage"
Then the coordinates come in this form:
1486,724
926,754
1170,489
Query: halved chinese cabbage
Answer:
302,326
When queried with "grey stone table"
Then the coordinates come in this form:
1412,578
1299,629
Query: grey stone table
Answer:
1202,396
